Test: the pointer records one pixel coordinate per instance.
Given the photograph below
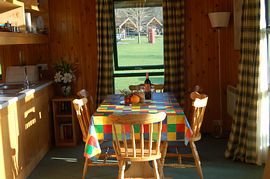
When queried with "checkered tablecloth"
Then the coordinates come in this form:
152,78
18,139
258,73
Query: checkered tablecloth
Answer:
174,128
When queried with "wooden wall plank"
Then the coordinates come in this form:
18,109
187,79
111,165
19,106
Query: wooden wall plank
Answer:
73,37
202,56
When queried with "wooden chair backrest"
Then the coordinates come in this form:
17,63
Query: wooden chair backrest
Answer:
85,94
199,103
158,88
134,88
141,148
80,106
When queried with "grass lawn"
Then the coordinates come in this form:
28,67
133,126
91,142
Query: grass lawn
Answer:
130,53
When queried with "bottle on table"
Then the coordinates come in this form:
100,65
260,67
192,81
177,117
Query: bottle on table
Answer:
147,87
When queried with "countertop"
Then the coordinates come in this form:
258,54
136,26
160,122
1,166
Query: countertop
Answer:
7,100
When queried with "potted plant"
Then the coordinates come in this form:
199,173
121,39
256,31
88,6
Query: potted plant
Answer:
64,76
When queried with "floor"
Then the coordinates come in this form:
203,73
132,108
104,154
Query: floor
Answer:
67,163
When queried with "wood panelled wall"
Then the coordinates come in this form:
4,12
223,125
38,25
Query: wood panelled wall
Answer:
73,37
202,56
23,55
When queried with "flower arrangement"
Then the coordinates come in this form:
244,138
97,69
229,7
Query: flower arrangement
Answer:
65,74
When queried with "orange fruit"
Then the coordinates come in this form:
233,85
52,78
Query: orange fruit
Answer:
135,98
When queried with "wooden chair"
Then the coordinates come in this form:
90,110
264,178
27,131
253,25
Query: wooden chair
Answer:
81,108
199,103
189,107
135,88
158,88
142,149
85,94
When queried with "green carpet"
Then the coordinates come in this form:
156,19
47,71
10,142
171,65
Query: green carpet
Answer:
67,163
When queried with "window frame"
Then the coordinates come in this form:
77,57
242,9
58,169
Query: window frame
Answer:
115,54
137,74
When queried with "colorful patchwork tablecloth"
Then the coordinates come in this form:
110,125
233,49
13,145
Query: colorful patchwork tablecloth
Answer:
175,127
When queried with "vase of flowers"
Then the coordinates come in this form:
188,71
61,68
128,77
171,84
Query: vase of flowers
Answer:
64,76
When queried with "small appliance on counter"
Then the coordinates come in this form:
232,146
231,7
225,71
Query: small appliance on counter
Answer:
17,74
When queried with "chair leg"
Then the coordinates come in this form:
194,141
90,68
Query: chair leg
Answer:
85,167
160,168
179,160
121,171
106,155
163,151
156,169
179,156
196,158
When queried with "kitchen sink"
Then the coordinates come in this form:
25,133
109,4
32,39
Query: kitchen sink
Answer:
2,102
12,89
11,86
8,94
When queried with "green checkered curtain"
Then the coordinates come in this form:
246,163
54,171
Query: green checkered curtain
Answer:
104,22
242,142
173,19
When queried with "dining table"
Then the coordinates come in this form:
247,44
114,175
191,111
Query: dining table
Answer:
175,126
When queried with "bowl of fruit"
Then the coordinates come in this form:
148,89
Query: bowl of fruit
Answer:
131,98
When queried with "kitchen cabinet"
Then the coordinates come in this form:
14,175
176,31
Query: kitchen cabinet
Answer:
13,11
25,133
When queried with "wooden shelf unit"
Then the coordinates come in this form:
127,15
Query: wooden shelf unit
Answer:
14,12
12,38
66,127
7,5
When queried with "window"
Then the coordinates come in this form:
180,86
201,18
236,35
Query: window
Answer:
138,43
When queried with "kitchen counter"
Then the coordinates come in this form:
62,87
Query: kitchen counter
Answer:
8,99
25,127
